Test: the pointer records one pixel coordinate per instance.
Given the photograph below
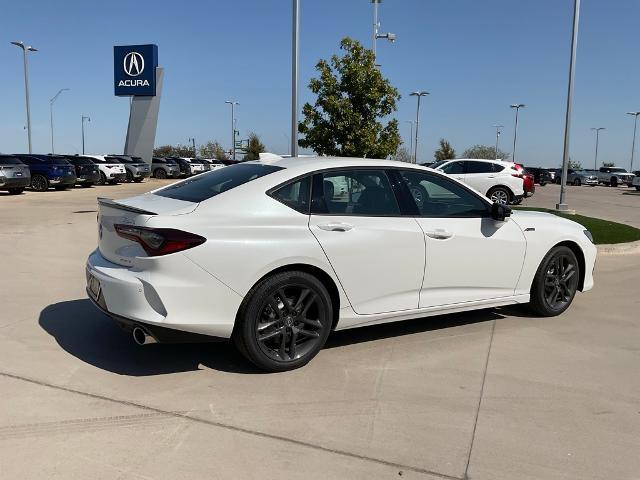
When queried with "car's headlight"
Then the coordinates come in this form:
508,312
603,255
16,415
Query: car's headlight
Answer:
588,235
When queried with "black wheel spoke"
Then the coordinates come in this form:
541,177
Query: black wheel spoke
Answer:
292,321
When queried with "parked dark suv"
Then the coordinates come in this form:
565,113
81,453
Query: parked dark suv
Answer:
49,171
14,175
541,176
87,172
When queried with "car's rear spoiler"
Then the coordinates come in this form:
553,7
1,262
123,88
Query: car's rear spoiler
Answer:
107,202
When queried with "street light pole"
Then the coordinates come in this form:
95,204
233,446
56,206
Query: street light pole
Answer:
419,94
498,132
233,103
410,122
83,119
517,106
376,29
26,49
633,145
51,114
295,59
595,159
562,205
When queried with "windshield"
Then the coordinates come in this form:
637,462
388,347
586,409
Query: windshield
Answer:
10,161
209,185
621,170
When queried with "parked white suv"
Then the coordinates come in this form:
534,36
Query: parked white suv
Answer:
500,181
111,169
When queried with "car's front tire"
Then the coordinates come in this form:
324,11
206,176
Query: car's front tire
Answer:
103,179
555,283
159,173
576,182
613,182
19,190
129,178
284,321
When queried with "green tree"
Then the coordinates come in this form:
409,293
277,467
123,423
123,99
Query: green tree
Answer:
608,164
486,152
403,155
574,164
352,97
254,148
178,150
445,152
212,149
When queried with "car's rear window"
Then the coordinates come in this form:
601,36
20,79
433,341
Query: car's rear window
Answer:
10,161
209,185
81,160
56,161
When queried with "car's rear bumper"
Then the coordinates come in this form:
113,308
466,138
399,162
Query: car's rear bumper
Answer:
89,178
14,182
172,292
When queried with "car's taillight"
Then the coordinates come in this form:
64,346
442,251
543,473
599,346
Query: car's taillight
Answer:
159,241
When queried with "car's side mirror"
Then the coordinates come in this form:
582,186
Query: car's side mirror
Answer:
500,212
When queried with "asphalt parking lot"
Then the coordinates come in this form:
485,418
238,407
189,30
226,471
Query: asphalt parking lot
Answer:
493,394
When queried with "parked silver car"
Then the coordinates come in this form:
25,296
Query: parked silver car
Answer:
136,168
582,177
14,175
165,168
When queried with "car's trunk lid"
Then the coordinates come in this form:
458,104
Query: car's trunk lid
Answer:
132,211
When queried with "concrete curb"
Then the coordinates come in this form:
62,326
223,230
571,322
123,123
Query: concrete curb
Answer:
619,248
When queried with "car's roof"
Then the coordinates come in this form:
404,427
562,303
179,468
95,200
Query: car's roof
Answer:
319,163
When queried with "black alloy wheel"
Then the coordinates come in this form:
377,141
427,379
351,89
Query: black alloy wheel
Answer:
285,321
577,182
556,282
129,178
159,173
39,183
103,179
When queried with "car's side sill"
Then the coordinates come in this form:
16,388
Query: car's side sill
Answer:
349,319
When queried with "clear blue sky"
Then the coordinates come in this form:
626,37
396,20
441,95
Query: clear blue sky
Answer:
474,57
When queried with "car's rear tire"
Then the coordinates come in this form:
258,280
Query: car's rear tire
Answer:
103,179
638,188
576,182
137,180
613,182
555,283
60,187
160,173
284,321
39,183
129,178
500,195
19,190
542,184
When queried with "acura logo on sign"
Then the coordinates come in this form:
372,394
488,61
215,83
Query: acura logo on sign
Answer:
133,64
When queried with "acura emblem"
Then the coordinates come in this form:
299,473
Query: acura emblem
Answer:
133,64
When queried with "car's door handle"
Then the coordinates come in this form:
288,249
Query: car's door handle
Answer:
439,234
335,226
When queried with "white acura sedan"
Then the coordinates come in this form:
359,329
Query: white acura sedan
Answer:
276,254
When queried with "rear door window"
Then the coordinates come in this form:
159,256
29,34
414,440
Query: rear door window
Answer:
208,185
295,195
478,167
453,168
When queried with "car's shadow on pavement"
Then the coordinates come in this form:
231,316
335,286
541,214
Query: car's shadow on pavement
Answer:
91,336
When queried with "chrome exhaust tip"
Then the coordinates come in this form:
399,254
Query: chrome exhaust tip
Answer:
141,337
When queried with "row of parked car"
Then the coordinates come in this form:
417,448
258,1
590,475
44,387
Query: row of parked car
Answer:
41,172
180,167
611,176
